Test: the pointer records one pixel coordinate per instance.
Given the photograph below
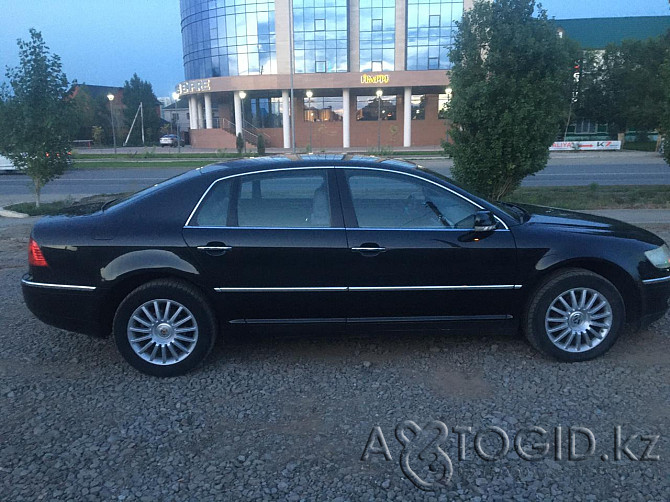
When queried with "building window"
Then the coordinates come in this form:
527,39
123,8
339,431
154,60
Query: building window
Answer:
431,26
320,109
320,36
377,35
263,112
442,105
369,108
418,107
236,40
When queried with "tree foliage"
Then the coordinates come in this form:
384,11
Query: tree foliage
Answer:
622,86
36,115
511,82
136,91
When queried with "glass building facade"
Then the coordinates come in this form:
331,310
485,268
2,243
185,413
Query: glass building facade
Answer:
377,35
320,36
328,73
225,38
430,30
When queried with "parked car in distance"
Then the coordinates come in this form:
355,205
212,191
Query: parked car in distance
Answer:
170,140
6,165
339,239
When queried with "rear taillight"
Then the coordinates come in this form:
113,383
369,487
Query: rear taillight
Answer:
35,256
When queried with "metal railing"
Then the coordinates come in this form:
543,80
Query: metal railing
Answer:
250,133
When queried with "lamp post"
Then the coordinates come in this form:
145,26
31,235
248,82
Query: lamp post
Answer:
110,96
309,95
379,94
175,96
242,96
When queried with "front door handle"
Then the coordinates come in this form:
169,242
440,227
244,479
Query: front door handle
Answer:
215,248
369,249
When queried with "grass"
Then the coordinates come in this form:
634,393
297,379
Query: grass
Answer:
59,206
596,196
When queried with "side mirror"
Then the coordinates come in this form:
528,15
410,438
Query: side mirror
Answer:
484,221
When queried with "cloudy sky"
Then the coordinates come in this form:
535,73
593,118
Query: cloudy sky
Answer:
104,42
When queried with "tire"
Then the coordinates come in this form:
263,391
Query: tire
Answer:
165,345
574,328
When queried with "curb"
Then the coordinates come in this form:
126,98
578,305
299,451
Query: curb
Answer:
6,213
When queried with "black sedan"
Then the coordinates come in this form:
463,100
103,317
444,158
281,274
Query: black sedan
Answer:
310,239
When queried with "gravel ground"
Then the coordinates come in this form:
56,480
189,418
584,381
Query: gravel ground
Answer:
276,417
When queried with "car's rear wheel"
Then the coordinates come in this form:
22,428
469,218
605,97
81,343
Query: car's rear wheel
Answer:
164,328
575,315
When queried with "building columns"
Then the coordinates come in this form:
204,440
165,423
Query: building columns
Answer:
286,119
208,111
237,102
407,125
346,117
201,121
192,112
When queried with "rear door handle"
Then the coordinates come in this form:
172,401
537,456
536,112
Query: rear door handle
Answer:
369,249
215,248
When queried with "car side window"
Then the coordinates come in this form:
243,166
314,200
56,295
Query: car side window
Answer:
390,200
213,211
289,199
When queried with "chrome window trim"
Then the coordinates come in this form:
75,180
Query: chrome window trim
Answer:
70,287
426,180
657,280
347,229
188,221
287,169
369,288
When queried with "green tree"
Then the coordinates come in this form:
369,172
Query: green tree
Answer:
664,128
626,91
511,82
136,91
36,115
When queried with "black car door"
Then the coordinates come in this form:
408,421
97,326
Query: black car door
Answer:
414,254
272,245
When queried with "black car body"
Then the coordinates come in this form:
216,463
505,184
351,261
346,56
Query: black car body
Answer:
336,239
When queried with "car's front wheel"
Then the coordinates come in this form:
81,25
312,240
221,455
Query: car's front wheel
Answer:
164,328
575,315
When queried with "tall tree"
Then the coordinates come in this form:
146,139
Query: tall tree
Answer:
627,92
36,114
136,91
511,82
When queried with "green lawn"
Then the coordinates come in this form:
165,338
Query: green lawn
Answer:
596,196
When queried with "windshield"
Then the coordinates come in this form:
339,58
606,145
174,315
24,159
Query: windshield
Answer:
508,208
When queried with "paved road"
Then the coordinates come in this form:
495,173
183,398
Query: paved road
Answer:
618,168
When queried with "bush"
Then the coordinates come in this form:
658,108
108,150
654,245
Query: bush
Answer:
239,142
260,146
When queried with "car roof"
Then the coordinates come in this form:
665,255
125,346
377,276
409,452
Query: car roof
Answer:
238,166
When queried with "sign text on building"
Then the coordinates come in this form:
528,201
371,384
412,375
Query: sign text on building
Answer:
193,86
366,78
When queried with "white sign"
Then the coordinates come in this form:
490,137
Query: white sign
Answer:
562,146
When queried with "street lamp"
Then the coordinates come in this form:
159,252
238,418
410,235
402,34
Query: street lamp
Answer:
309,95
379,94
175,96
110,96
243,95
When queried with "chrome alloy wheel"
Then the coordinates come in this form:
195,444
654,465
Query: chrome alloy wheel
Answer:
578,319
162,332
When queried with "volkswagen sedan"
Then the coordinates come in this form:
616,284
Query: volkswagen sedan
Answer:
306,240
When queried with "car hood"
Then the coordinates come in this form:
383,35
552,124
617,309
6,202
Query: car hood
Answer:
574,221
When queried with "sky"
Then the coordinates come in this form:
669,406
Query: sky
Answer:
104,42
